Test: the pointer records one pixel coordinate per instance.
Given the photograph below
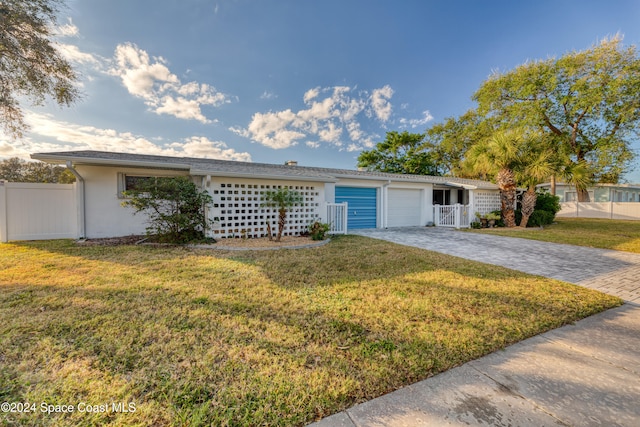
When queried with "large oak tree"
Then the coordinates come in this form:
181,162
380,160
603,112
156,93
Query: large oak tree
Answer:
587,102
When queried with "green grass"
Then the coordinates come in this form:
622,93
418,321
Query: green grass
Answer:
596,233
196,337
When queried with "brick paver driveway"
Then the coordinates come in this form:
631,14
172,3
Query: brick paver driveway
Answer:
613,272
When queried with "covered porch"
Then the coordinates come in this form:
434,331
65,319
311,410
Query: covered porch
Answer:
455,205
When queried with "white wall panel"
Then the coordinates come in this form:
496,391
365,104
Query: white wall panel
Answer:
39,211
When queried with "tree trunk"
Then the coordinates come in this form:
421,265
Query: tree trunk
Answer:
528,205
583,195
507,183
282,220
553,185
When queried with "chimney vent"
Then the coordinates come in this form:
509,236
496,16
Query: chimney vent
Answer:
291,163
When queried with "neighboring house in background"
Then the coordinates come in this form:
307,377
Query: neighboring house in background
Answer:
375,200
598,193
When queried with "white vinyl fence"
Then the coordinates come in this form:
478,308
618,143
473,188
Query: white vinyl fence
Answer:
37,211
607,210
337,217
451,215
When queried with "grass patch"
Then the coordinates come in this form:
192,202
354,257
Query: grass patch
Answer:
254,338
596,233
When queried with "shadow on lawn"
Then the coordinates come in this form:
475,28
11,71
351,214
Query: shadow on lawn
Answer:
263,328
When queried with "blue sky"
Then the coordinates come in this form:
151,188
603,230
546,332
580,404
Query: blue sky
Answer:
312,81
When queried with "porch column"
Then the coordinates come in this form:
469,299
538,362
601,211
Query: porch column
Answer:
472,207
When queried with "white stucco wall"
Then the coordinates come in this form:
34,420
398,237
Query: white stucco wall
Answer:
104,214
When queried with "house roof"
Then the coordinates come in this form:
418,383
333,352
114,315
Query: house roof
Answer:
614,186
228,168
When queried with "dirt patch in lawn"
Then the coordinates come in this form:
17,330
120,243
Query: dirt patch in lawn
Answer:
229,243
262,243
113,241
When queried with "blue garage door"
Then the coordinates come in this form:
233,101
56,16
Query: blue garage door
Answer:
361,204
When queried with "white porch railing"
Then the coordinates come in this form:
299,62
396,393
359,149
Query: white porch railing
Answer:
337,218
451,215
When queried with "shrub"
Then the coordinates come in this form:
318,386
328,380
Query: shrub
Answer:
175,207
547,202
317,230
547,205
499,220
538,218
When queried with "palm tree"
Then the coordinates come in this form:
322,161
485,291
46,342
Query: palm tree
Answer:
499,156
576,174
536,165
282,199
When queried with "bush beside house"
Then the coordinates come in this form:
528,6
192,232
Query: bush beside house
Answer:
547,206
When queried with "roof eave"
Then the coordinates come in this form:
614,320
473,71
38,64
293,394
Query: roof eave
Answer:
94,161
203,172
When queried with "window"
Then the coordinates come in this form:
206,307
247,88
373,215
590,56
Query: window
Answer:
441,197
133,182
572,196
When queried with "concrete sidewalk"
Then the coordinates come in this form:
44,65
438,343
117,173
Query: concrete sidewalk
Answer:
586,374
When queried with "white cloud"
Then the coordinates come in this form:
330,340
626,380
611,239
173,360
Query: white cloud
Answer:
203,147
331,134
310,94
331,112
380,103
181,108
71,136
268,95
414,123
67,30
271,129
312,144
162,91
72,53
149,79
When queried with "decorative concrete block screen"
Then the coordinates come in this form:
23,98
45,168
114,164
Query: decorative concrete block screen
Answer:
485,202
237,210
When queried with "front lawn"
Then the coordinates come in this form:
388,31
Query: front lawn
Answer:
196,337
597,233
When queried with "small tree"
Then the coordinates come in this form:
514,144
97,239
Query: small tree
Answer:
281,199
175,207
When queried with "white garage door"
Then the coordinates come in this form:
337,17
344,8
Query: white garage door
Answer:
404,207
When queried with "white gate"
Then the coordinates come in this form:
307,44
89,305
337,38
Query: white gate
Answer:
37,211
451,215
337,218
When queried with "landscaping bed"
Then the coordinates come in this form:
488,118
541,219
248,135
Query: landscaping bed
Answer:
197,337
